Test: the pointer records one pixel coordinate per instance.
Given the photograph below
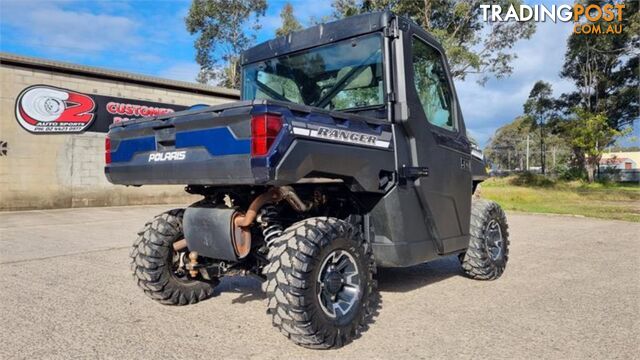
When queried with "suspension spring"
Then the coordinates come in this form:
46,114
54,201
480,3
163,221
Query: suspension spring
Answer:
271,229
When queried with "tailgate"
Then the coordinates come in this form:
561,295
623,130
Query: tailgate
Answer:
207,146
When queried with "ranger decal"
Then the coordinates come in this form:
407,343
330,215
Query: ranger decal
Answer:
343,136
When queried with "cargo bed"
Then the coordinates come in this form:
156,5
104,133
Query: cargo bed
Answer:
213,146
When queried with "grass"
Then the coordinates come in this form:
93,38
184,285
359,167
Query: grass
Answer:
530,193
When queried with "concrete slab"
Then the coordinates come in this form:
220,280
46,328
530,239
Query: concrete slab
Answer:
570,291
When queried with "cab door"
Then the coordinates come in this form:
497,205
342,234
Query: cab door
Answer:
438,153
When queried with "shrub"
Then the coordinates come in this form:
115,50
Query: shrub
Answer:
530,179
570,173
608,175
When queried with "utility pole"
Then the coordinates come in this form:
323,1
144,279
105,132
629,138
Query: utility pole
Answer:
527,152
521,162
509,159
542,151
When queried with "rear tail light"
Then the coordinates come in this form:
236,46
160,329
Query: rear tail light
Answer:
264,129
107,150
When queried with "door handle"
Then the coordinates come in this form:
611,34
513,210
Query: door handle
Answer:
414,172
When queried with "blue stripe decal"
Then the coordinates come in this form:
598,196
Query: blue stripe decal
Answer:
217,141
129,147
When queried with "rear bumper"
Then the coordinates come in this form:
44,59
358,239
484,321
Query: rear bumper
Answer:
198,168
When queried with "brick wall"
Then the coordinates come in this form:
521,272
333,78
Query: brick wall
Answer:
56,171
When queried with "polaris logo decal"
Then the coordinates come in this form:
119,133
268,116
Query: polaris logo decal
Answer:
168,156
343,136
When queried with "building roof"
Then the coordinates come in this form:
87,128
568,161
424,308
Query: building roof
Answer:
614,160
101,73
628,155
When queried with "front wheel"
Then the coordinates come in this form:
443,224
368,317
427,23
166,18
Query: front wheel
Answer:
488,252
320,282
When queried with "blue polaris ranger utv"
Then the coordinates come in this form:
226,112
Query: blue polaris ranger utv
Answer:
347,152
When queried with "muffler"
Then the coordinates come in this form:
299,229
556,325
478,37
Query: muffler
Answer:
211,232
223,233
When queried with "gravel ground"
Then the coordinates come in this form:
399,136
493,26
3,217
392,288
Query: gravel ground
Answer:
571,290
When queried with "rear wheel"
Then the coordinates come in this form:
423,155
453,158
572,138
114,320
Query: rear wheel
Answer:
488,252
159,270
320,282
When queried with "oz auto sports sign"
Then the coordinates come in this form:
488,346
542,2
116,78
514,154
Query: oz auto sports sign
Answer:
44,109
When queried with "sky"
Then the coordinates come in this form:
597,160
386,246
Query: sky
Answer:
149,37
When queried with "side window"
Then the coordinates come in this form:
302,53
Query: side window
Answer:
432,85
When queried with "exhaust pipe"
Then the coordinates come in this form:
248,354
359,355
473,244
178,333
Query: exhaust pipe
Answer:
241,222
180,245
204,226
292,198
272,196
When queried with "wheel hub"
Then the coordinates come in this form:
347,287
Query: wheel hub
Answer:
179,260
339,286
333,282
495,241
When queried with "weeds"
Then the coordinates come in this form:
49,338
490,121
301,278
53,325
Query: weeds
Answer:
535,193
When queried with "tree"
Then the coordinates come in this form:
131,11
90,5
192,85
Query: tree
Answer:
538,109
604,68
289,22
589,134
473,46
507,149
221,29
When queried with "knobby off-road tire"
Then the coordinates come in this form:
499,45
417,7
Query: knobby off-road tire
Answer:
488,252
296,301
152,260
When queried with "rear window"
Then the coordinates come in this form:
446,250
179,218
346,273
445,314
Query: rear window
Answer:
339,76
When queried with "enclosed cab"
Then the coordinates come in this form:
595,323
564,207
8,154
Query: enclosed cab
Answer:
347,151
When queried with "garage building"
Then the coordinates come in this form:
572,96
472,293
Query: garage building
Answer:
48,163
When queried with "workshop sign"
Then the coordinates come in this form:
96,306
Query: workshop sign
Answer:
44,109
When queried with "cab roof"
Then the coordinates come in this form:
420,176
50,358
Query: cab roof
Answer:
318,35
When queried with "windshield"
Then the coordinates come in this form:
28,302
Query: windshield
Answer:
339,76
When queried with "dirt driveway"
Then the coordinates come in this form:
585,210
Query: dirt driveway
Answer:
571,290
